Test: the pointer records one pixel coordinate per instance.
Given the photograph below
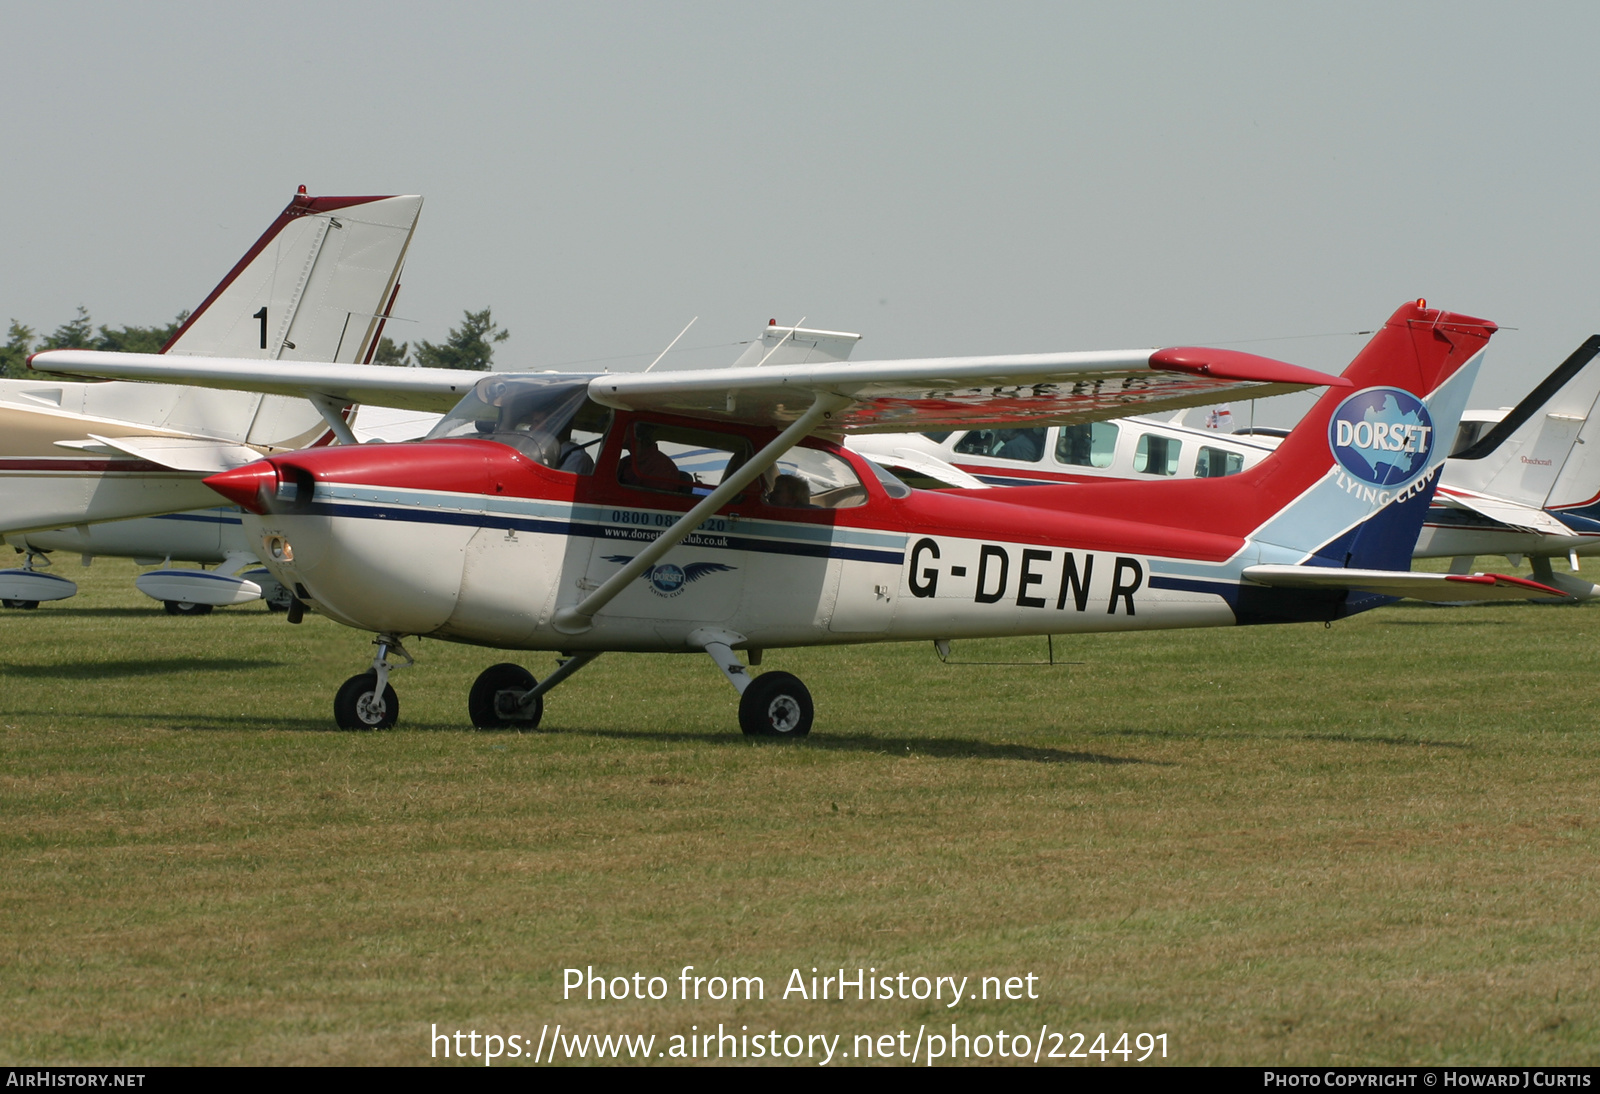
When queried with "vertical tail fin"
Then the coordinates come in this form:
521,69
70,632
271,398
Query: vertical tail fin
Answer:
315,286
312,287
1362,466
1543,453
1350,484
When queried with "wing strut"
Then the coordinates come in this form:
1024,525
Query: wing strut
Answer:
580,617
331,410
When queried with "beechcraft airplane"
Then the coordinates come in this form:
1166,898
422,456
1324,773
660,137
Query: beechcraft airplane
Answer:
78,459
715,511
1526,481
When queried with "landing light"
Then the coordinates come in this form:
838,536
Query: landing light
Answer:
278,549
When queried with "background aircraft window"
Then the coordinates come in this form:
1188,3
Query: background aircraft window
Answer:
1090,445
1157,455
677,460
811,478
1469,434
1215,463
1026,445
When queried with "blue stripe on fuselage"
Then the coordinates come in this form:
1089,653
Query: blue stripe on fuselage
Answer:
617,532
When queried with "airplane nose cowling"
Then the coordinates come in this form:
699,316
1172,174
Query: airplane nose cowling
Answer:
249,486
372,536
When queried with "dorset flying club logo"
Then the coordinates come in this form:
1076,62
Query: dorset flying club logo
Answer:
1381,436
668,580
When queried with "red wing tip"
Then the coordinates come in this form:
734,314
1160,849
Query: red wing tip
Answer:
1504,579
1231,364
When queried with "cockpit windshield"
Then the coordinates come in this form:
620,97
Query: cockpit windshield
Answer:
550,419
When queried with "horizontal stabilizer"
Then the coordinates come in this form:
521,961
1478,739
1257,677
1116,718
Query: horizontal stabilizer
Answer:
924,463
199,454
1514,515
1438,588
797,346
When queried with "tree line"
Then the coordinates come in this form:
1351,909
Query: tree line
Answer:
469,346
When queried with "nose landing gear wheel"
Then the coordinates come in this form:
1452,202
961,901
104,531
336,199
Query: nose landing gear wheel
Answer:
776,704
492,700
184,607
356,706
29,605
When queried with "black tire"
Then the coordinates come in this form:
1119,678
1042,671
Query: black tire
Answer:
184,607
493,680
25,605
776,704
352,706
275,596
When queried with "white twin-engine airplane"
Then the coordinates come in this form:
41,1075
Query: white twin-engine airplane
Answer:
715,511
78,459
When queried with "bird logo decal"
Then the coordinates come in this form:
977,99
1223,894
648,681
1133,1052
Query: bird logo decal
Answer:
667,579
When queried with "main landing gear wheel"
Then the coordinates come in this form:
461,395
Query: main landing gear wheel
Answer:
492,700
184,607
28,605
356,706
776,704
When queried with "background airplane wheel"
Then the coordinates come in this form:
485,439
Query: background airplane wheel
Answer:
776,704
184,607
502,677
26,604
353,706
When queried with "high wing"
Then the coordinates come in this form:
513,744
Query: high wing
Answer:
434,389
954,392
871,396
1438,588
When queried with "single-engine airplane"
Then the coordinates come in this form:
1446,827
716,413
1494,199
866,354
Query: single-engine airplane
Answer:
714,511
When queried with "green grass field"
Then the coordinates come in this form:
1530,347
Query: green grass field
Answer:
1375,843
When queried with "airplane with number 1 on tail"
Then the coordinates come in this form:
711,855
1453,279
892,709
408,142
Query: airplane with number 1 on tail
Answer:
116,468
717,511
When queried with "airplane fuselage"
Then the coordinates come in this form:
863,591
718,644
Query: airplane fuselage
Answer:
492,561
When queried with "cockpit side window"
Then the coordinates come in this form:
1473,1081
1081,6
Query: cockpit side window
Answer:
814,478
550,420
678,460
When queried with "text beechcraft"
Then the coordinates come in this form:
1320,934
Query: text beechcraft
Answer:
716,511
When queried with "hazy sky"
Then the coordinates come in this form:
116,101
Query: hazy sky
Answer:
943,178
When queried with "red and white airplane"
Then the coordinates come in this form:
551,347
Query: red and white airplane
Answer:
715,511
